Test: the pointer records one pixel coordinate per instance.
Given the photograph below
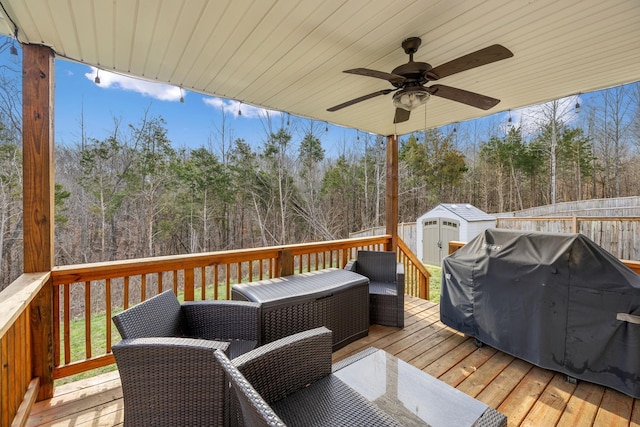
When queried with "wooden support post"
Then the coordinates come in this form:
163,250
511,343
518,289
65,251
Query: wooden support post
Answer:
38,201
391,201
285,263
189,284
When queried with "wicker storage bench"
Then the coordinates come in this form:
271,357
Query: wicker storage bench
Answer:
335,298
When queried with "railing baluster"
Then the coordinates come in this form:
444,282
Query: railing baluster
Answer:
215,281
203,283
143,287
56,325
87,318
126,292
67,332
107,307
175,282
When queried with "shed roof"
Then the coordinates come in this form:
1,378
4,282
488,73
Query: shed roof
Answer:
465,211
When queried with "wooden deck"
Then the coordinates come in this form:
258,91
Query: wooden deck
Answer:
528,395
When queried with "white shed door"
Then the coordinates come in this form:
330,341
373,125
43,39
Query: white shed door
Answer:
436,235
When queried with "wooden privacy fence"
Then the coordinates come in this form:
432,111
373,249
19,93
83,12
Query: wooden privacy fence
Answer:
618,235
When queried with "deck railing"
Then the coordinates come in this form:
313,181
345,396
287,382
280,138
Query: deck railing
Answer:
17,387
86,296
82,290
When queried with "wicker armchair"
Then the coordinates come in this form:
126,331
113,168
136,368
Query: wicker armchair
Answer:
386,286
290,382
172,382
236,322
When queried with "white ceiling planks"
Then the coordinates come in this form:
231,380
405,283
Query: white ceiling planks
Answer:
289,55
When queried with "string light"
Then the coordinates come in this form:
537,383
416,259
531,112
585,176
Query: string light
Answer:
239,109
97,79
13,50
326,127
181,96
578,108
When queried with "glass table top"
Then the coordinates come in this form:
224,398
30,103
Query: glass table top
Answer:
410,395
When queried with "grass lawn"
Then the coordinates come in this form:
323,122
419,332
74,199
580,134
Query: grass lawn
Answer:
434,282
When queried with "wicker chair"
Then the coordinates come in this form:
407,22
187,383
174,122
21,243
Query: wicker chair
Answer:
172,382
290,382
236,322
386,286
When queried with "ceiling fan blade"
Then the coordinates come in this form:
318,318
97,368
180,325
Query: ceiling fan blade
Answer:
402,115
393,78
470,98
478,58
360,99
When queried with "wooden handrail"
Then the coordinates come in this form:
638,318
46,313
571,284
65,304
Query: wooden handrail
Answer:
417,276
16,376
454,246
634,265
17,296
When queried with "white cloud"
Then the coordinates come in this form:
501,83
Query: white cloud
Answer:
530,118
232,107
159,91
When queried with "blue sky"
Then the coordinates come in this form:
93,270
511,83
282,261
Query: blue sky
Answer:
198,120
190,124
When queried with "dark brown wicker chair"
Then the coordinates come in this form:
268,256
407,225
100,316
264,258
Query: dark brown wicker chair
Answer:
237,322
172,382
290,382
386,286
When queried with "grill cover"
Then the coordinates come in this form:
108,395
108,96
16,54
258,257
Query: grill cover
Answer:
558,301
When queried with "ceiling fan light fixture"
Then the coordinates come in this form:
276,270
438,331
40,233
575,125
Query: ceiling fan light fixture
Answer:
411,98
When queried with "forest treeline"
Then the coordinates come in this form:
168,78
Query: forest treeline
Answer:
134,194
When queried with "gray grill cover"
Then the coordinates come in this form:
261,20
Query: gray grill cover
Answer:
554,300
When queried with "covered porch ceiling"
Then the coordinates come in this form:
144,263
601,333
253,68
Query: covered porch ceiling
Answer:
289,55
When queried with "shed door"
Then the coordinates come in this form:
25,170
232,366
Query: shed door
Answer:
436,235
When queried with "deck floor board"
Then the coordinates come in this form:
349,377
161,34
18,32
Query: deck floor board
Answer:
526,394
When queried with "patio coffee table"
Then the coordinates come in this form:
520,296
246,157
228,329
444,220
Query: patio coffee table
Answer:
414,397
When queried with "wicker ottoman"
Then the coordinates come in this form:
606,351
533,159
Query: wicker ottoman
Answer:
335,298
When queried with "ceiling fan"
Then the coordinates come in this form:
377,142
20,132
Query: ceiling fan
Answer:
409,80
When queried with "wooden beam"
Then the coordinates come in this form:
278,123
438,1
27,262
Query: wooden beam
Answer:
38,201
391,201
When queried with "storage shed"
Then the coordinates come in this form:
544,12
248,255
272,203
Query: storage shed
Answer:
447,222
